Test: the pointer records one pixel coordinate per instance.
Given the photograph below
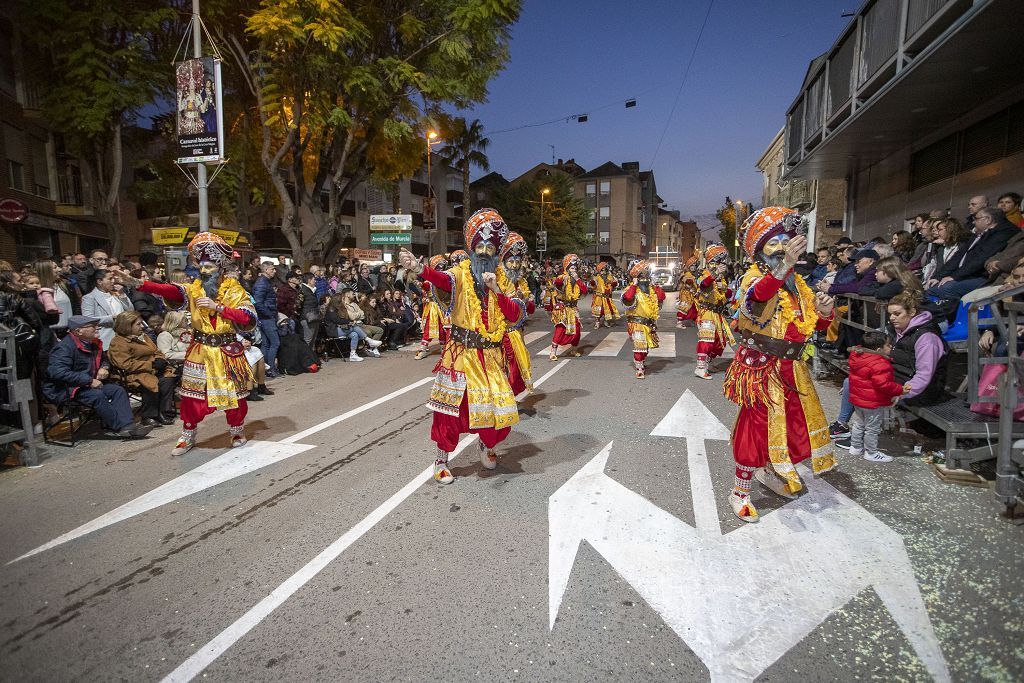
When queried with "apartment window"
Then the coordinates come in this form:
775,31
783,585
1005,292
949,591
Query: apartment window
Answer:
606,188
15,149
40,167
591,189
605,237
604,214
15,175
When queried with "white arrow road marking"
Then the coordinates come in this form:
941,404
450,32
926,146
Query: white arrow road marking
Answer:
666,346
561,349
611,344
689,418
742,600
206,655
236,462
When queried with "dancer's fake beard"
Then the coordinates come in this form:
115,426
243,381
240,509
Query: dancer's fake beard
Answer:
643,285
513,274
774,263
480,264
211,284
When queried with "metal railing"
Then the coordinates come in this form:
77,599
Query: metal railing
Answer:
919,12
879,38
1005,311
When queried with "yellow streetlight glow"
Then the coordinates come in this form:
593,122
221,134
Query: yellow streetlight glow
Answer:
431,135
545,191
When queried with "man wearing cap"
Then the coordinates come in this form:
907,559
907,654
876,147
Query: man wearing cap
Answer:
471,392
513,261
780,421
566,290
643,305
216,373
603,307
76,371
713,294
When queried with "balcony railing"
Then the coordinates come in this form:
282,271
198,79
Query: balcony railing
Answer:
69,190
883,39
454,223
797,194
453,196
418,188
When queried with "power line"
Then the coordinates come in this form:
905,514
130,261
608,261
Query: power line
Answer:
573,117
686,72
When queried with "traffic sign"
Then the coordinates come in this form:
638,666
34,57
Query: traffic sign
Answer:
391,238
391,222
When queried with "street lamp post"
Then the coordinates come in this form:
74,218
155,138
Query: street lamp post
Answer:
737,221
431,140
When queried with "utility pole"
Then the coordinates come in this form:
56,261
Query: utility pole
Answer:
202,185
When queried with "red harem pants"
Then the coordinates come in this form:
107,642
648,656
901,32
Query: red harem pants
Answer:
193,410
750,436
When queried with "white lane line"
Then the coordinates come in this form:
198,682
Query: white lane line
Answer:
533,336
666,346
253,456
236,462
561,349
611,344
355,411
207,654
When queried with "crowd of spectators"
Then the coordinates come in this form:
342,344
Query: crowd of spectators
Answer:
924,277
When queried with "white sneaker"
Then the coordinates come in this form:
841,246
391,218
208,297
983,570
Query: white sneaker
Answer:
355,357
488,458
877,456
773,482
373,343
374,352
855,452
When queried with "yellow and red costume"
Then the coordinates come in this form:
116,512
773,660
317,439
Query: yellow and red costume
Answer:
436,323
215,373
602,306
643,306
686,302
780,422
564,307
471,392
713,296
520,369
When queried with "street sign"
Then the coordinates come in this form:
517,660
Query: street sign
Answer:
542,240
390,222
391,238
13,210
367,254
166,236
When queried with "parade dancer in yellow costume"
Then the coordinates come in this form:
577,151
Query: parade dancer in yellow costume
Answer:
602,307
713,295
643,305
780,422
513,261
216,373
436,323
471,392
686,302
567,290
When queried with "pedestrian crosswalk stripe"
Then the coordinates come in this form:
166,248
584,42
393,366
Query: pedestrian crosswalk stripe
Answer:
666,346
561,349
610,345
533,336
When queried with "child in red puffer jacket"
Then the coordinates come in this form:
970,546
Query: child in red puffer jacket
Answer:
872,389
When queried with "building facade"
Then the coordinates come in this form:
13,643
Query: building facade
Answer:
918,106
620,217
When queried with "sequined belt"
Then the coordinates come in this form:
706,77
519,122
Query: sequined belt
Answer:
471,339
720,309
650,322
780,348
213,339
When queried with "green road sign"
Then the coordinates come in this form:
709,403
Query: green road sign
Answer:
391,238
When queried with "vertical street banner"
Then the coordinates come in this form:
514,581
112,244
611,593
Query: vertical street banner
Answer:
200,120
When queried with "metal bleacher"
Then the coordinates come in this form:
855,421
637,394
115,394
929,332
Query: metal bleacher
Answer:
954,417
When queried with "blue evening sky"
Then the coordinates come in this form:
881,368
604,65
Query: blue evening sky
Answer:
574,57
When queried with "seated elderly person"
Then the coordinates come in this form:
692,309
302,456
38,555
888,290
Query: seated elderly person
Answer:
145,368
175,336
966,271
76,371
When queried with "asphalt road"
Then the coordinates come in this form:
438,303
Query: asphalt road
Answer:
596,550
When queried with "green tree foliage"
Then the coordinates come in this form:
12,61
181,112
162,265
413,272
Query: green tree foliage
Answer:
95,64
727,217
565,217
465,147
345,90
